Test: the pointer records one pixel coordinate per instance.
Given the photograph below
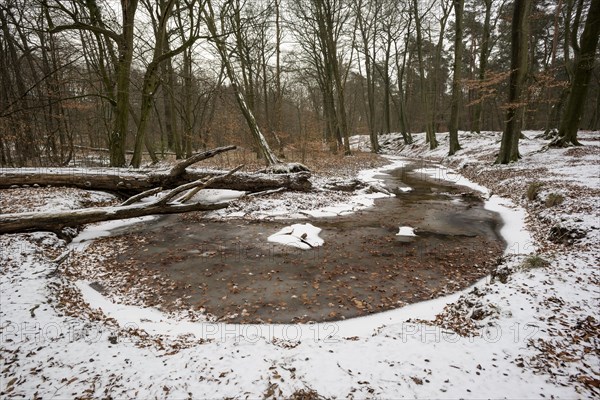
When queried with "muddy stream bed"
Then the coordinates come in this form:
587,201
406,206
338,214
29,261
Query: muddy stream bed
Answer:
230,270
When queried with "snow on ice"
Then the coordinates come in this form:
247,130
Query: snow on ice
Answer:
406,231
302,236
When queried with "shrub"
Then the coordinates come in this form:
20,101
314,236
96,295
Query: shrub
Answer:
533,190
535,261
554,199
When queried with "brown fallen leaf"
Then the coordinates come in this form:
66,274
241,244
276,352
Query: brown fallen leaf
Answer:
418,381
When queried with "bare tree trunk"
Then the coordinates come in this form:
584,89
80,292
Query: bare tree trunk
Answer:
278,97
595,118
401,68
429,129
167,204
509,147
118,137
188,119
456,79
385,74
168,88
483,61
327,24
217,38
584,65
554,118
152,78
368,31
437,87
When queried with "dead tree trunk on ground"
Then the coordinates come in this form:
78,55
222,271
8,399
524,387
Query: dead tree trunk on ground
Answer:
132,182
167,204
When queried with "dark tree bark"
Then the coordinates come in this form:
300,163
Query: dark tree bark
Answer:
401,104
117,138
429,128
483,61
456,84
152,76
367,15
509,147
129,183
584,65
328,20
168,88
277,100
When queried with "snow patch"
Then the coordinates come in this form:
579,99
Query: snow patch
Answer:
513,231
104,229
302,236
217,195
406,231
369,175
439,172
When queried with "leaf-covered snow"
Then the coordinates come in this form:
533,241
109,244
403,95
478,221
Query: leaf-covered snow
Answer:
529,331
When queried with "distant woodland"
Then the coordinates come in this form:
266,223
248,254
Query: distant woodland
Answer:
141,80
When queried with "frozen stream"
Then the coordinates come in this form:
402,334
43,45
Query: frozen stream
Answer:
230,269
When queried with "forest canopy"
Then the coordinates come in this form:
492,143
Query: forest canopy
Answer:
150,79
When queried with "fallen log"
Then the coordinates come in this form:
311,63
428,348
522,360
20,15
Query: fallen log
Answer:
129,182
258,182
166,204
56,221
133,181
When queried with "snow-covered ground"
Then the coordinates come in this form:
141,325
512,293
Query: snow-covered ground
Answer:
321,202
529,331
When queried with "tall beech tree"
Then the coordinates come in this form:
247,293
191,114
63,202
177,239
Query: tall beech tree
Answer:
367,16
584,66
509,147
123,39
456,78
160,12
425,103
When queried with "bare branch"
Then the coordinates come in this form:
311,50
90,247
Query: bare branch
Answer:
179,169
138,197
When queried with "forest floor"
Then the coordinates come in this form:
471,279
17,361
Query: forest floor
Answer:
531,329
